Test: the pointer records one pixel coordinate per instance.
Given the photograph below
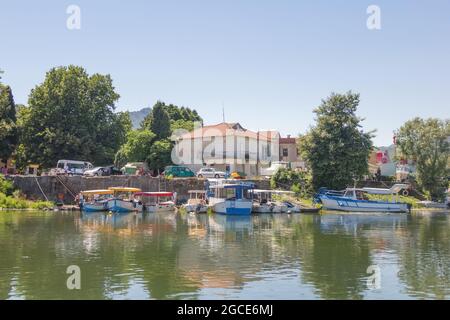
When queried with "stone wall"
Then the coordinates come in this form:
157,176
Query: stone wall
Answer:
53,186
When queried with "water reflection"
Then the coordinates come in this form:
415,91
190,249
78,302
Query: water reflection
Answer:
170,255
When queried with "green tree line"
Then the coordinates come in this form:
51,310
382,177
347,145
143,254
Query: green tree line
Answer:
72,115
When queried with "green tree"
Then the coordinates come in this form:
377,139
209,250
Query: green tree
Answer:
8,128
160,155
160,122
71,115
336,149
137,147
180,117
427,142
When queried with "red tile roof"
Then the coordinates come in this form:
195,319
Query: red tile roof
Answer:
229,129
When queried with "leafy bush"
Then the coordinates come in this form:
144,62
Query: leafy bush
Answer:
6,186
296,181
13,199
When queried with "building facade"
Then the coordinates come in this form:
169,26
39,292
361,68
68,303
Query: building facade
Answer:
227,147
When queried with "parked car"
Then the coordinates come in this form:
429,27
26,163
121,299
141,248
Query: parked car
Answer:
133,168
113,170
270,171
71,167
178,172
210,173
97,171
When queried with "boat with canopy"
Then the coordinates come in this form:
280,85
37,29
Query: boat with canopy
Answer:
354,199
124,200
94,200
157,201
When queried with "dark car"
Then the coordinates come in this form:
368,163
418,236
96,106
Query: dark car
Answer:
178,172
113,171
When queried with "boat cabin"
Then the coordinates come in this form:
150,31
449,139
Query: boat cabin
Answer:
96,195
233,191
124,193
154,198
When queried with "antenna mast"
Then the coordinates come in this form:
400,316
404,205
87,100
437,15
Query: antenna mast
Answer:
223,112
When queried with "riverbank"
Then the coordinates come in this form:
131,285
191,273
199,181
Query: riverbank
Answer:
63,189
12,198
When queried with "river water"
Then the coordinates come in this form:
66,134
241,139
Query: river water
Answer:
187,256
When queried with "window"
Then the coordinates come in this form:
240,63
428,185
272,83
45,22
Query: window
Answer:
285,152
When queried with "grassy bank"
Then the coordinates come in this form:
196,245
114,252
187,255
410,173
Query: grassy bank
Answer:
12,199
409,199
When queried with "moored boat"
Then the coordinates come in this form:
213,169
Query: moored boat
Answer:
197,202
353,199
94,200
263,202
124,200
231,198
157,201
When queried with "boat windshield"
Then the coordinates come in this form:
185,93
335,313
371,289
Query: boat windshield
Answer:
356,194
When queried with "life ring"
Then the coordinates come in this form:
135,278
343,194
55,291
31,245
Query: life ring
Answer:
405,192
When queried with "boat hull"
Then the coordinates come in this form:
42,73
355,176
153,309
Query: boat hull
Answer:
232,207
262,208
118,205
352,205
196,208
160,208
94,207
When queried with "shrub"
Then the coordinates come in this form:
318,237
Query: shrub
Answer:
296,181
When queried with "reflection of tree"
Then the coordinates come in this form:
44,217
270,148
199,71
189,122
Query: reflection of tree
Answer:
158,257
44,246
335,263
425,258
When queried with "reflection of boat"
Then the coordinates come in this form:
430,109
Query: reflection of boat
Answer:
157,201
196,202
231,198
94,200
222,223
352,199
123,200
350,222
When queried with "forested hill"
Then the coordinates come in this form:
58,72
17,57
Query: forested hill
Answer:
138,116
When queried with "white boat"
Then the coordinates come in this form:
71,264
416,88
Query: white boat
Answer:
433,204
231,198
263,202
94,200
124,200
352,199
292,207
157,201
197,202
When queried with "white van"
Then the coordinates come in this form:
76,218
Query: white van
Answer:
72,167
270,171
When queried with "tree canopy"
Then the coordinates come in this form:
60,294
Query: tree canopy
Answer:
179,117
160,154
71,115
137,147
8,128
427,142
160,122
336,149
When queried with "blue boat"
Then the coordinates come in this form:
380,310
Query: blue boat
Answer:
352,199
231,198
94,200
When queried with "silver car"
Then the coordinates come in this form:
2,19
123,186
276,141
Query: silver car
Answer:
210,173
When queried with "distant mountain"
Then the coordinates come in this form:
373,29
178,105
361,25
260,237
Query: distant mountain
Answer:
138,116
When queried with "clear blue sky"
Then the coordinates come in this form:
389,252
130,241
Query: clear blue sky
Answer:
269,62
